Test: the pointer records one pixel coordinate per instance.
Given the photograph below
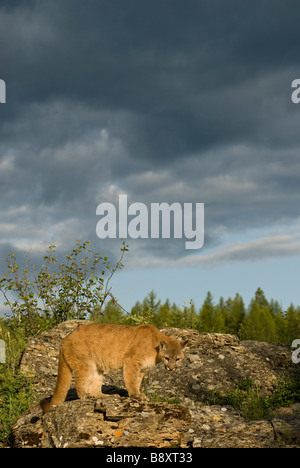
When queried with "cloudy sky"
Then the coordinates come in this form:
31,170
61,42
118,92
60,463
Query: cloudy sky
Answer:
165,101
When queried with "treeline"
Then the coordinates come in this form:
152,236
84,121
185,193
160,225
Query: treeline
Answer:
79,288
261,320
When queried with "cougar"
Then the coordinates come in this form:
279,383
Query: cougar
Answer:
90,350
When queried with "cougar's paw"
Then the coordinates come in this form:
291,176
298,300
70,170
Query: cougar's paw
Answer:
140,397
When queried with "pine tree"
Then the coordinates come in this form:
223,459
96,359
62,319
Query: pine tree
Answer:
260,298
165,316
150,302
292,324
218,321
259,324
279,321
235,314
206,314
189,316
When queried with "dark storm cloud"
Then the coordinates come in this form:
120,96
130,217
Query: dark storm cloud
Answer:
177,66
164,100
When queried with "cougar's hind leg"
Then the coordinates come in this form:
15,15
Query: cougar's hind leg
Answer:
64,378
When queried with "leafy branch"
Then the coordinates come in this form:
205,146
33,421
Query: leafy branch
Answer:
58,292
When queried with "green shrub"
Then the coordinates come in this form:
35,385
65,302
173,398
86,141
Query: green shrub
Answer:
16,396
70,290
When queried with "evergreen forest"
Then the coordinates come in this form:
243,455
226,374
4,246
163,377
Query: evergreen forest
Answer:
261,320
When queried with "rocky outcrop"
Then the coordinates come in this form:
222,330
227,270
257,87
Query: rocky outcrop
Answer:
107,422
181,411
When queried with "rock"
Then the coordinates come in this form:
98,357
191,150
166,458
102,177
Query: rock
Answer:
219,362
286,425
181,417
107,422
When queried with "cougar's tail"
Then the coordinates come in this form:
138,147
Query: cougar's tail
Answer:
64,378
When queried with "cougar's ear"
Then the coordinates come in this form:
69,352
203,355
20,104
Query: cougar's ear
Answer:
184,343
162,345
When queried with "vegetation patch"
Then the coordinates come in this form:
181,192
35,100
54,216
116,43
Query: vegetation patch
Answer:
253,406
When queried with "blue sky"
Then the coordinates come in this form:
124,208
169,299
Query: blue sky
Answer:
164,101
224,282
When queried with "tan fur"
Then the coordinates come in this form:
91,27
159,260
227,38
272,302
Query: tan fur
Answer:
92,349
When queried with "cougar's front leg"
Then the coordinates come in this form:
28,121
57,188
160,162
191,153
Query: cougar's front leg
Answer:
133,377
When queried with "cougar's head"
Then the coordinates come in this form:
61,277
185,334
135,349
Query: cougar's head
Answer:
171,354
